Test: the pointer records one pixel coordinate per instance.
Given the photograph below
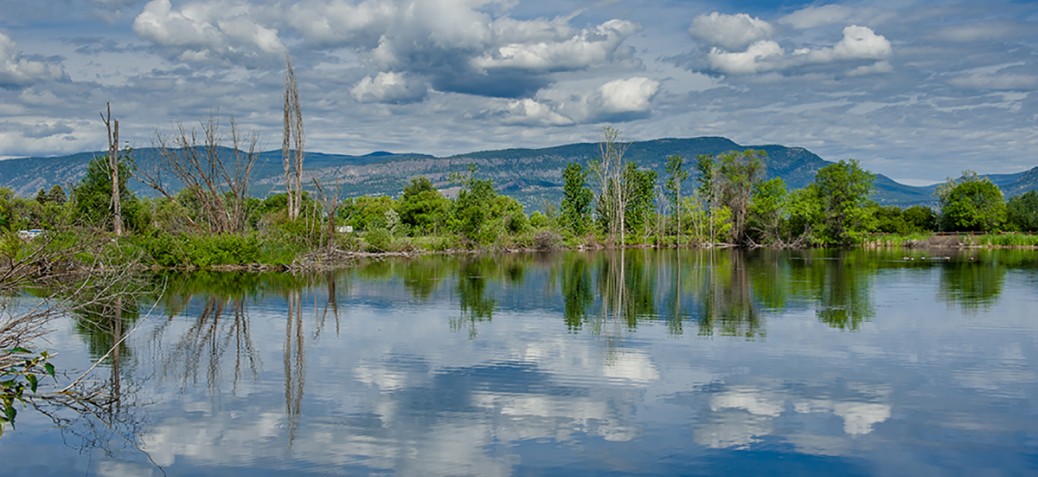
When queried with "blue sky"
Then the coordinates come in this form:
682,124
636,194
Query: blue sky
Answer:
915,90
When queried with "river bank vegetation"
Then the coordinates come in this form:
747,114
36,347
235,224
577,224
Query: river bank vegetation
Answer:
721,200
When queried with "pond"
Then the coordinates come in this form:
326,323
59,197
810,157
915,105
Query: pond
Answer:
615,363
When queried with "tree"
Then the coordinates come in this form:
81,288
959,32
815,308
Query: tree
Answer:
972,204
612,195
217,179
739,172
56,195
766,211
293,137
709,191
576,200
422,207
920,218
842,191
113,169
92,197
676,174
472,209
1022,212
640,185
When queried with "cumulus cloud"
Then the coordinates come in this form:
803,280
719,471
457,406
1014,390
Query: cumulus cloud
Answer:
452,45
530,112
205,31
580,50
334,23
730,31
615,101
859,43
814,16
758,57
17,70
626,96
389,87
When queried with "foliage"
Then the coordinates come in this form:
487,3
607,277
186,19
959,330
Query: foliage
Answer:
920,218
367,212
576,200
1022,212
470,214
738,173
422,208
92,197
971,204
766,212
20,376
640,184
676,175
842,191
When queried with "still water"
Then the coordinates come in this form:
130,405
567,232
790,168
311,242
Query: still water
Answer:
643,363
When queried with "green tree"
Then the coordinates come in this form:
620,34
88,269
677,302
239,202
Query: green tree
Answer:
842,191
471,211
766,211
576,200
920,218
706,168
423,208
739,172
368,212
92,197
1022,212
640,184
971,204
676,174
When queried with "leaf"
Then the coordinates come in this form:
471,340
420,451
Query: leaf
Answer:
50,369
10,412
32,381
18,349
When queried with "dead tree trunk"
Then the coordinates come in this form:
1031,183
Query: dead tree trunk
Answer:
293,137
113,168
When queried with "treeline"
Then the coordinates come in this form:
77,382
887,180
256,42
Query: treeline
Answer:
721,199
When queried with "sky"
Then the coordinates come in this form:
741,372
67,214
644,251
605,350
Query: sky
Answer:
916,90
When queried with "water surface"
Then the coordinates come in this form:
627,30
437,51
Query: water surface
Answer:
642,362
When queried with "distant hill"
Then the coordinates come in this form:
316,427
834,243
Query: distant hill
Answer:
533,176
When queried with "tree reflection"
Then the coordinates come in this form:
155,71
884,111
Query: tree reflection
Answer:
577,293
840,284
971,283
475,305
726,297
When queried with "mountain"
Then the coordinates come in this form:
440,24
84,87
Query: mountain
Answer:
533,176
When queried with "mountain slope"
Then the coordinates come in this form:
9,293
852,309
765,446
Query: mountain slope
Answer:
533,176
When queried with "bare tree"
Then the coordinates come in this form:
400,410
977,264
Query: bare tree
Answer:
113,168
218,184
331,207
613,193
294,136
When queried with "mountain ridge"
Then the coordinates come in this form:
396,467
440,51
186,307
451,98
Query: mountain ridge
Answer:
531,175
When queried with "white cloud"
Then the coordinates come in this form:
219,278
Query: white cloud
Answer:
581,50
335,23
632,95
530,112
17,70
617,100
757,58
858,43
815,16
389,87
730,31
209,31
